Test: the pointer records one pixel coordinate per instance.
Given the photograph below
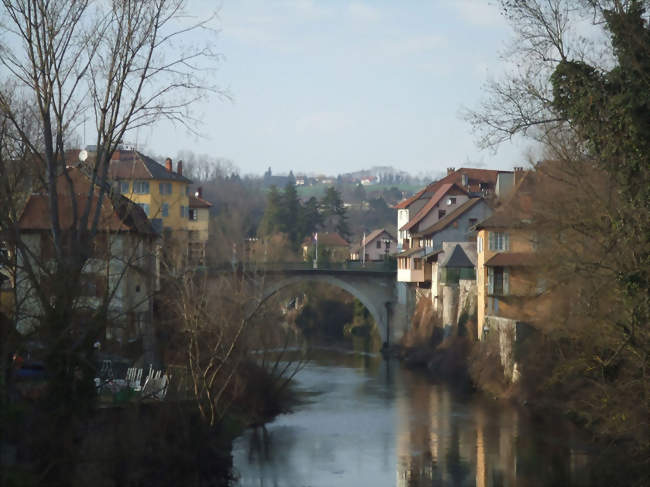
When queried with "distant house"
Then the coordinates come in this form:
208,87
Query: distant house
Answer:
377,246
198,228
331,247
122,269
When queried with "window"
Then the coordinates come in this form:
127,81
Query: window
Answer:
479,244
498,281
184,212
165,188
499,241
451,200
378,244
141,187
124,187
187,190
145,207
441,213
194,214
417,264
165,209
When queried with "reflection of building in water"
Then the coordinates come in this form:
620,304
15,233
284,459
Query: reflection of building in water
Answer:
441,441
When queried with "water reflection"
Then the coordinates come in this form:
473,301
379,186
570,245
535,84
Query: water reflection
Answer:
370,422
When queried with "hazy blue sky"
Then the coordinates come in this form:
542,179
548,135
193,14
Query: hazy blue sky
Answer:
330,86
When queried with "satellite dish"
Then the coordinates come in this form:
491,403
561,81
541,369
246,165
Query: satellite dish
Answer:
83,155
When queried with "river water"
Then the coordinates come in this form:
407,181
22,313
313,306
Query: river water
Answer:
370,422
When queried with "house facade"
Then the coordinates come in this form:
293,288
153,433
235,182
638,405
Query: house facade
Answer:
508,287
120,272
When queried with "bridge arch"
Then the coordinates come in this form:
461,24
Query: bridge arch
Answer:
377,299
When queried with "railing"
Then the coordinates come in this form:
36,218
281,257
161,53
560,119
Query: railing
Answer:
349,266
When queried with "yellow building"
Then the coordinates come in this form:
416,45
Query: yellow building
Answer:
163,194
198,227
505,248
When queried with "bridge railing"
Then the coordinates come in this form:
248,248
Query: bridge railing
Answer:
350,266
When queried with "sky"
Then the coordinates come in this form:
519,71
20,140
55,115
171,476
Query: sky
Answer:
332,86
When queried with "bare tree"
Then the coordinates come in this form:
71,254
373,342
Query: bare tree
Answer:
117,65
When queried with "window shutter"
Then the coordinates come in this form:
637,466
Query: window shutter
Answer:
491,240
506,281
506,237
490,280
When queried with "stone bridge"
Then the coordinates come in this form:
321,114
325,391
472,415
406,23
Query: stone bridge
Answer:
374,284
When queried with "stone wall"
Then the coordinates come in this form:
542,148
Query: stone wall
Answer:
504,330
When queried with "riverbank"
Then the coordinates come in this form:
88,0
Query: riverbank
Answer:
136,443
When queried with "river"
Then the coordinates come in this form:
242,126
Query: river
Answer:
370,422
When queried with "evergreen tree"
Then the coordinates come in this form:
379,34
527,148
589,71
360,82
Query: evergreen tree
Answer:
291,212
310,219
334,213
274,219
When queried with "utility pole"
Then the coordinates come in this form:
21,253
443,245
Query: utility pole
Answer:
363,250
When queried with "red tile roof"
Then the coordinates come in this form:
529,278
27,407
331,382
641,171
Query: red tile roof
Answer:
433,201
328,239
196,202
516,210
117,212
475,178
135,165
511,259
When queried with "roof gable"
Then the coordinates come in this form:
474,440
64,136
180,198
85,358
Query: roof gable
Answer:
458,258
435,199
449,219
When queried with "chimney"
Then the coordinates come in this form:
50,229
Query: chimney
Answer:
168,164
199,192
179,168
450,170
519,173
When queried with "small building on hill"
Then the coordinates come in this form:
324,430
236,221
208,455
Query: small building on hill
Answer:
377,245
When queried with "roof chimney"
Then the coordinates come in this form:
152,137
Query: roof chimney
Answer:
168,164
199,192
450,170
179,168
519,172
